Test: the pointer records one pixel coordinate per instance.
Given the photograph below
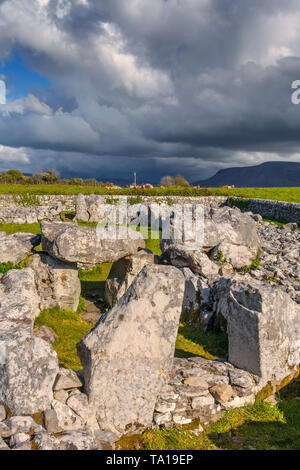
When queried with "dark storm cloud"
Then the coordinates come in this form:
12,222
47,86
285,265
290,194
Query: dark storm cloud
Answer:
161,86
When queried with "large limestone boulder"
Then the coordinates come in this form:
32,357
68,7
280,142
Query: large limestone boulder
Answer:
28,365
82,245
227,224
263,325
189,256
238,256
123,273
16,247
57,282
128,355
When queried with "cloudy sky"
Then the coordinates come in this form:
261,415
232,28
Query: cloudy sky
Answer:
106,87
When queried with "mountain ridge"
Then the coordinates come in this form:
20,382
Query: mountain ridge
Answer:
265,175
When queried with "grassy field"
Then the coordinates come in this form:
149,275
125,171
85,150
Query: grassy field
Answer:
280,194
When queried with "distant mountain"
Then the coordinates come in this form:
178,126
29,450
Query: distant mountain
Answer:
269,174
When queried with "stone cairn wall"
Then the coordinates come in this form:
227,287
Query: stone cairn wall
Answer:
130,380
45,208
279,210
87,207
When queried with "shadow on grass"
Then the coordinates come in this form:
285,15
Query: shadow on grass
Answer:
193,342
92,287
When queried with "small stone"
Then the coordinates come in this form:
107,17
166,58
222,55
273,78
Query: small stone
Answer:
106,440
2,413
198,431
226,269
77,440
61,395
78,402
61,418
21,424
46,333
196,382
241,378
201,402
23,446
66,379
5,431
272,399
181,420
3,445
44,441
19,438
165,407
162,418
222,393
213,379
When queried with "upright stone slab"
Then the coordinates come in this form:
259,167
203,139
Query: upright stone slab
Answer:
263,325
57,282
123,273
28,365
128,355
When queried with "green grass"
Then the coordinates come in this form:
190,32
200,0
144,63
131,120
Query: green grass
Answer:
193,342
280,194
93,281
70,330
9,229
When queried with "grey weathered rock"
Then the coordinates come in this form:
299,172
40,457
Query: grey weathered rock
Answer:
105,440
45,441
122,274
263,325
2,413
197,302
229,225
28,365
238,256
202,402
21,424
26,445
77,440
57,282
61,418
3,445
78,402
16,247
91,208
241,378
19,438
184,255
129,353
61,395
76,244
66,379
5,431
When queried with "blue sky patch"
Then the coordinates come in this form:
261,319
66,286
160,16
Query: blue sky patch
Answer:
20,78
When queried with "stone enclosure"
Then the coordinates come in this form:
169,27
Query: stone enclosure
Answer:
244,281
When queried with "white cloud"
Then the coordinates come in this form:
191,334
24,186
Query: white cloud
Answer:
14,155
